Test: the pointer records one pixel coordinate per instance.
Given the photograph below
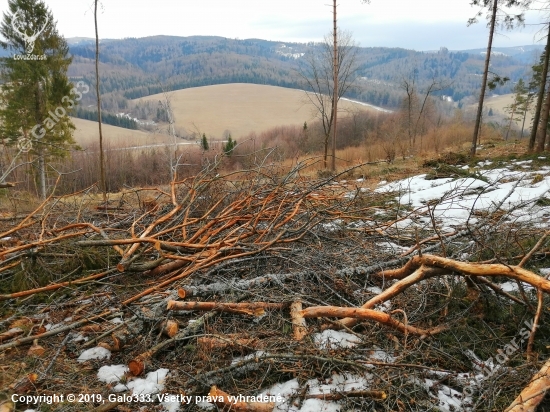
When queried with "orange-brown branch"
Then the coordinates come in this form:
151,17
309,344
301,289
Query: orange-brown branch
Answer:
367,314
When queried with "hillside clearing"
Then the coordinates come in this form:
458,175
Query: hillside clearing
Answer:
87,135
109,296
242,108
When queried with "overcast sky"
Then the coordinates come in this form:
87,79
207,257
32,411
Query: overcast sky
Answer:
411,24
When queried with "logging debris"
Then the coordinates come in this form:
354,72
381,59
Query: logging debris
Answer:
328,296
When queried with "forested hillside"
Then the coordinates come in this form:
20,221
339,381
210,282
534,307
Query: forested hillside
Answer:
133,68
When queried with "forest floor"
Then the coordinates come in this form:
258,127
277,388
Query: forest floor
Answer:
410,287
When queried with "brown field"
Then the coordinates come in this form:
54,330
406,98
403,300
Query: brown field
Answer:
241,108
87,134
499,104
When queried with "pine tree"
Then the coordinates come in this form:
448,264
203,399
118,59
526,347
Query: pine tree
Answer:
204,143
229,146
36,95
520,105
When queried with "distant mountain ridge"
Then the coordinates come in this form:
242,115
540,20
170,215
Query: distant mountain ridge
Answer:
137,67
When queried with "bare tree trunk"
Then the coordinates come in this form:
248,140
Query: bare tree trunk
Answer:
484,81
544,123
527,104
540,96
335,91
511,120
42,173
103,180
40,149
325,165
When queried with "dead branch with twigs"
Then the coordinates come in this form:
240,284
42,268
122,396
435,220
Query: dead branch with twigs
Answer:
252,281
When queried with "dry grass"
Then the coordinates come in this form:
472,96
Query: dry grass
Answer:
87,134
241,108
499,104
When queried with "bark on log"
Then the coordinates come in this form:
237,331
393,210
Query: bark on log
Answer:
10,334
533,394
419,274
243,308
368,314
470,269
299,326
231,340
420,267
231,403
5,185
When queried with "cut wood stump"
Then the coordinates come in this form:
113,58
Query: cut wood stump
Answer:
299,326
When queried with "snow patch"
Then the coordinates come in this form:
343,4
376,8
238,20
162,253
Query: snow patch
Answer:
334,339
94,353
112,373
153,383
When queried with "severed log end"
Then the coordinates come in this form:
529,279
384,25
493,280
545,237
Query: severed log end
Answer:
169,328
106,346
238,403
183,293
36,350
299,327
136,366
6,185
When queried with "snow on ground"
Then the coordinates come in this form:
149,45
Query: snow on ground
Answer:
336,383
511,286
94,353
444,398
334,339
112,373
515,191
153,383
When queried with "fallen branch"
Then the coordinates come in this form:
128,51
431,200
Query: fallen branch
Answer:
378,395
421,267
231,340
368,314
139,363
234,403
10,334
243,308
57,331
533,394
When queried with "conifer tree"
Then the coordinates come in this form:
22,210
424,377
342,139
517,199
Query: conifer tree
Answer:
204,143
36,95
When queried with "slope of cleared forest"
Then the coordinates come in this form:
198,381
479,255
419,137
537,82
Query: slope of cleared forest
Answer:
272,292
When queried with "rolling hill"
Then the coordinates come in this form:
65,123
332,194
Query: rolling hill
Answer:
213,110
242,108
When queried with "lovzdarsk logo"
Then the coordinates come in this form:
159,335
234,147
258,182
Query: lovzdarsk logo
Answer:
20,27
